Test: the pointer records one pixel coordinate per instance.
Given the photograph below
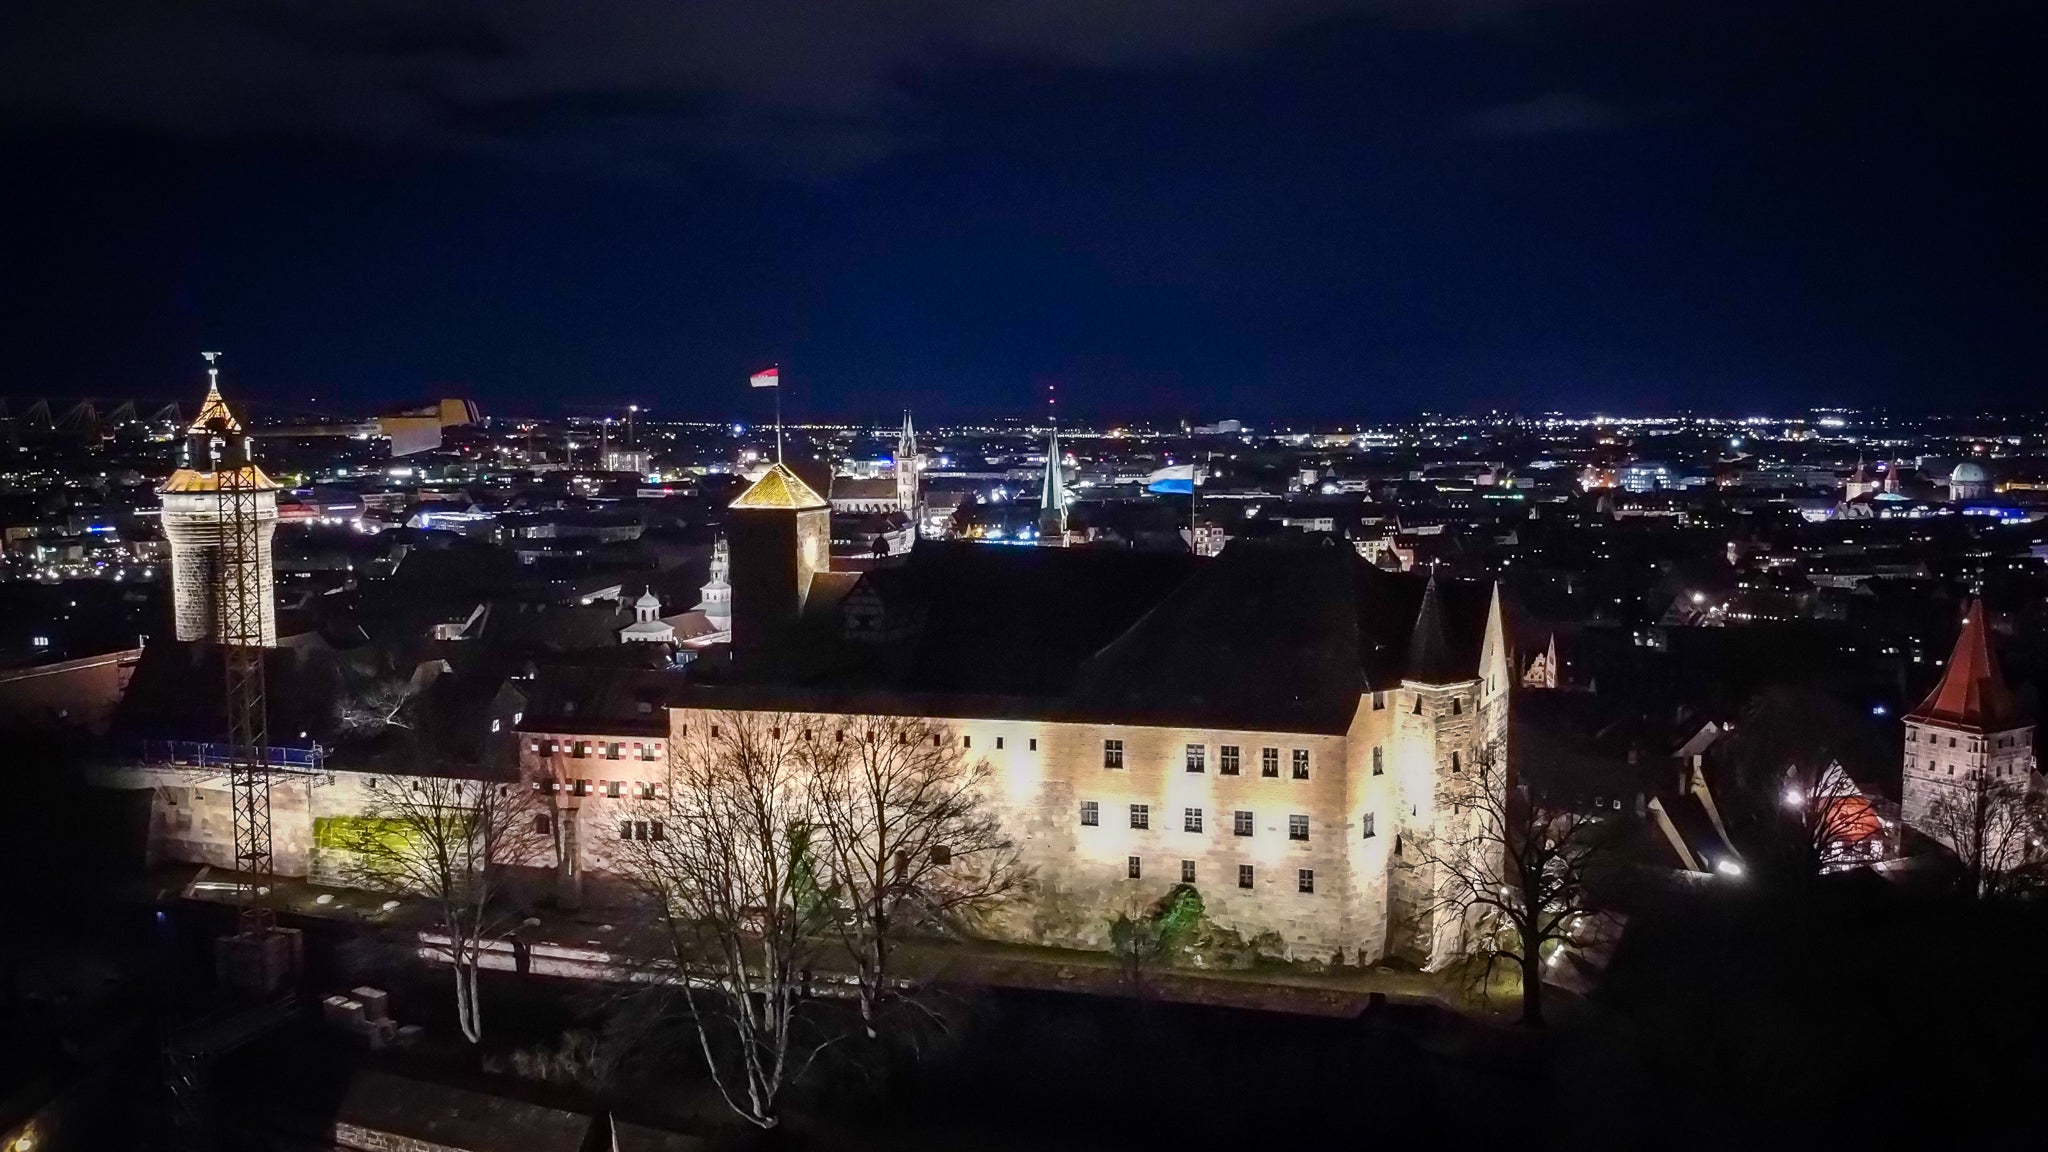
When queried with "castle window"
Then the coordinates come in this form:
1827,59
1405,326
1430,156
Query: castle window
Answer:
1191,819
1301,763
1187,871
1226,761
1456,766
967,741
1418,705
582,787
1241,823
1034,743
1112,753
533,745
1297,827
999,743
1305,880
1367,821
1379,701
1133,868
655,831
941,855
544,824
1198,757
1378,767
611,789
1951,769
1455,708
1091,813
1244,876
938,741
1269,762
1141,816
1397,843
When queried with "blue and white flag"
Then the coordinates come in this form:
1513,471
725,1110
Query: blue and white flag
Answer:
1174,479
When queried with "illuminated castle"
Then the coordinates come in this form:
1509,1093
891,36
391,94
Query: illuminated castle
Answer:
215,479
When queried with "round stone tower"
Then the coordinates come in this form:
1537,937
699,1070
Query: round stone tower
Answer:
215,488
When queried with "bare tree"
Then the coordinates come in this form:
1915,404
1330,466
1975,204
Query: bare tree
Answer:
1995,828
1511,873
449,841
726,851
908,841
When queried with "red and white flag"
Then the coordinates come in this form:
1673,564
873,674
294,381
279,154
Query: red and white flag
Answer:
768,377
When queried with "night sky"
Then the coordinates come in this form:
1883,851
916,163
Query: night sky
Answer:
1269,210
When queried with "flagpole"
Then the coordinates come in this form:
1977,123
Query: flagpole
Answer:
778,417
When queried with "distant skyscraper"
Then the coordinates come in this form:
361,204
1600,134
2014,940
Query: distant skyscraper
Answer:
215,457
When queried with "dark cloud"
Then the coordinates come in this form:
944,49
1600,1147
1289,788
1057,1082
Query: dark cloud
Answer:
1551,114
800,83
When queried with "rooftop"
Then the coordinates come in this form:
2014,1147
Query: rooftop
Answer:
780,488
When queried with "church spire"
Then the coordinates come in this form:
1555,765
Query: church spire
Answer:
906,473
1052,492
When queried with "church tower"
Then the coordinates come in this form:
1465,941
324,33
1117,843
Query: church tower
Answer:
1968,730
215,486
906,476
1052,495
717,591
781,535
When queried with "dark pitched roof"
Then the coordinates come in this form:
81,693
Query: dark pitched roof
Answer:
1429,649
1281,636
1262,637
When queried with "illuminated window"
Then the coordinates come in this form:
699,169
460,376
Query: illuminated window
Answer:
1226,761
1141,816
1301,763
1112,753
1198,757
1269,762
1305,880
1297,827
1091,813
1244,875
1241,823
1191,819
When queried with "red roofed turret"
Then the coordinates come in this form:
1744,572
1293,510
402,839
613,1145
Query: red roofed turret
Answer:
1972,692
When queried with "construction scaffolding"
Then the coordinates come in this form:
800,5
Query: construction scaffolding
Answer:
239,589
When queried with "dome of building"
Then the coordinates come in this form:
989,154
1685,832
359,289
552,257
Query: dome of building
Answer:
1969,472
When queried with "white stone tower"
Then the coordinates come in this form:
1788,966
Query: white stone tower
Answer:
717,592
214,469
1969,732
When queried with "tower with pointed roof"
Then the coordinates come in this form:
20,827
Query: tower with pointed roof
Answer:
1052,495
906,473
1450,719
1969,730
780,534
215,460
716,593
